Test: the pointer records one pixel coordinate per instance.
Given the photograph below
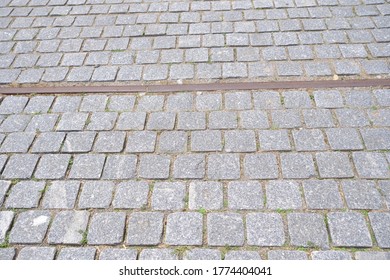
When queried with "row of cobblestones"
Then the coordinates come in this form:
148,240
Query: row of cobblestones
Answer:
220,175
112,41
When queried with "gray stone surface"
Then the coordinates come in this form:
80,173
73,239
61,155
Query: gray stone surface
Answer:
265,229
348,230
168,196
30,227
87,253
154,166
202,254
307,230
380,223
145,228
131,121
36,253
184,229
78,142
286,255
261,166
68,227
4,186
106,228
334,165
87,166
240,141
274,140
206,141
242,255
361,194
205,195
189,167
223,166
48,142
283,195
6,218
7,254
331,255
369,256
173,142
245,195
25,194
297,165
96,194
322,194
61,195
225,229
120,167
309,140
52,166
110,142
141,141
344,139
371,165
131,195
20,166
158,254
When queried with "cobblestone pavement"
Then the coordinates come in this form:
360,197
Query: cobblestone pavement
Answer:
231,175
146,40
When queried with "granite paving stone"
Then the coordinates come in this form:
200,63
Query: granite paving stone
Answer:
189,167
286,255
52,166
106,228
96,194
75,253
361,194
78,142
322,194
205,195
145,228
225,229
120,167
20,166
141,142
184,229
245,195
6,218
109,142
334,165
131,195
265,229
261,166
371,165
202,254
87,166
158,254
168,196
7,253
380,223
61,195
223,166
331,255
118,254
283,195
36,253
25,194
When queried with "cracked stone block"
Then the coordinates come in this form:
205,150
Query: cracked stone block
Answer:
295,165
42,123
205,195
322,194
202,254
110,142
87,166
52,166
106,228
348,229
189,167
361,195
173,142
20,166
87,253
131,121
72,121
154,166
61,195
371,165
380,223
158,254
131,195
118,254
78,142
141,142
120,167
240,141
261,166
7,253
68,227
6,218
36,253
145,228
225,229
96,194
13,104
286,255
274,140
17,142
15,123
283,195
242,255
253,119
223,120
25,194
334,165
168,196
344,139
48,142
309,140
206,141
184,229
191,121
265,229
307,230
30,227
245,195
331,255
376,138
102,121
223,166
161,121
